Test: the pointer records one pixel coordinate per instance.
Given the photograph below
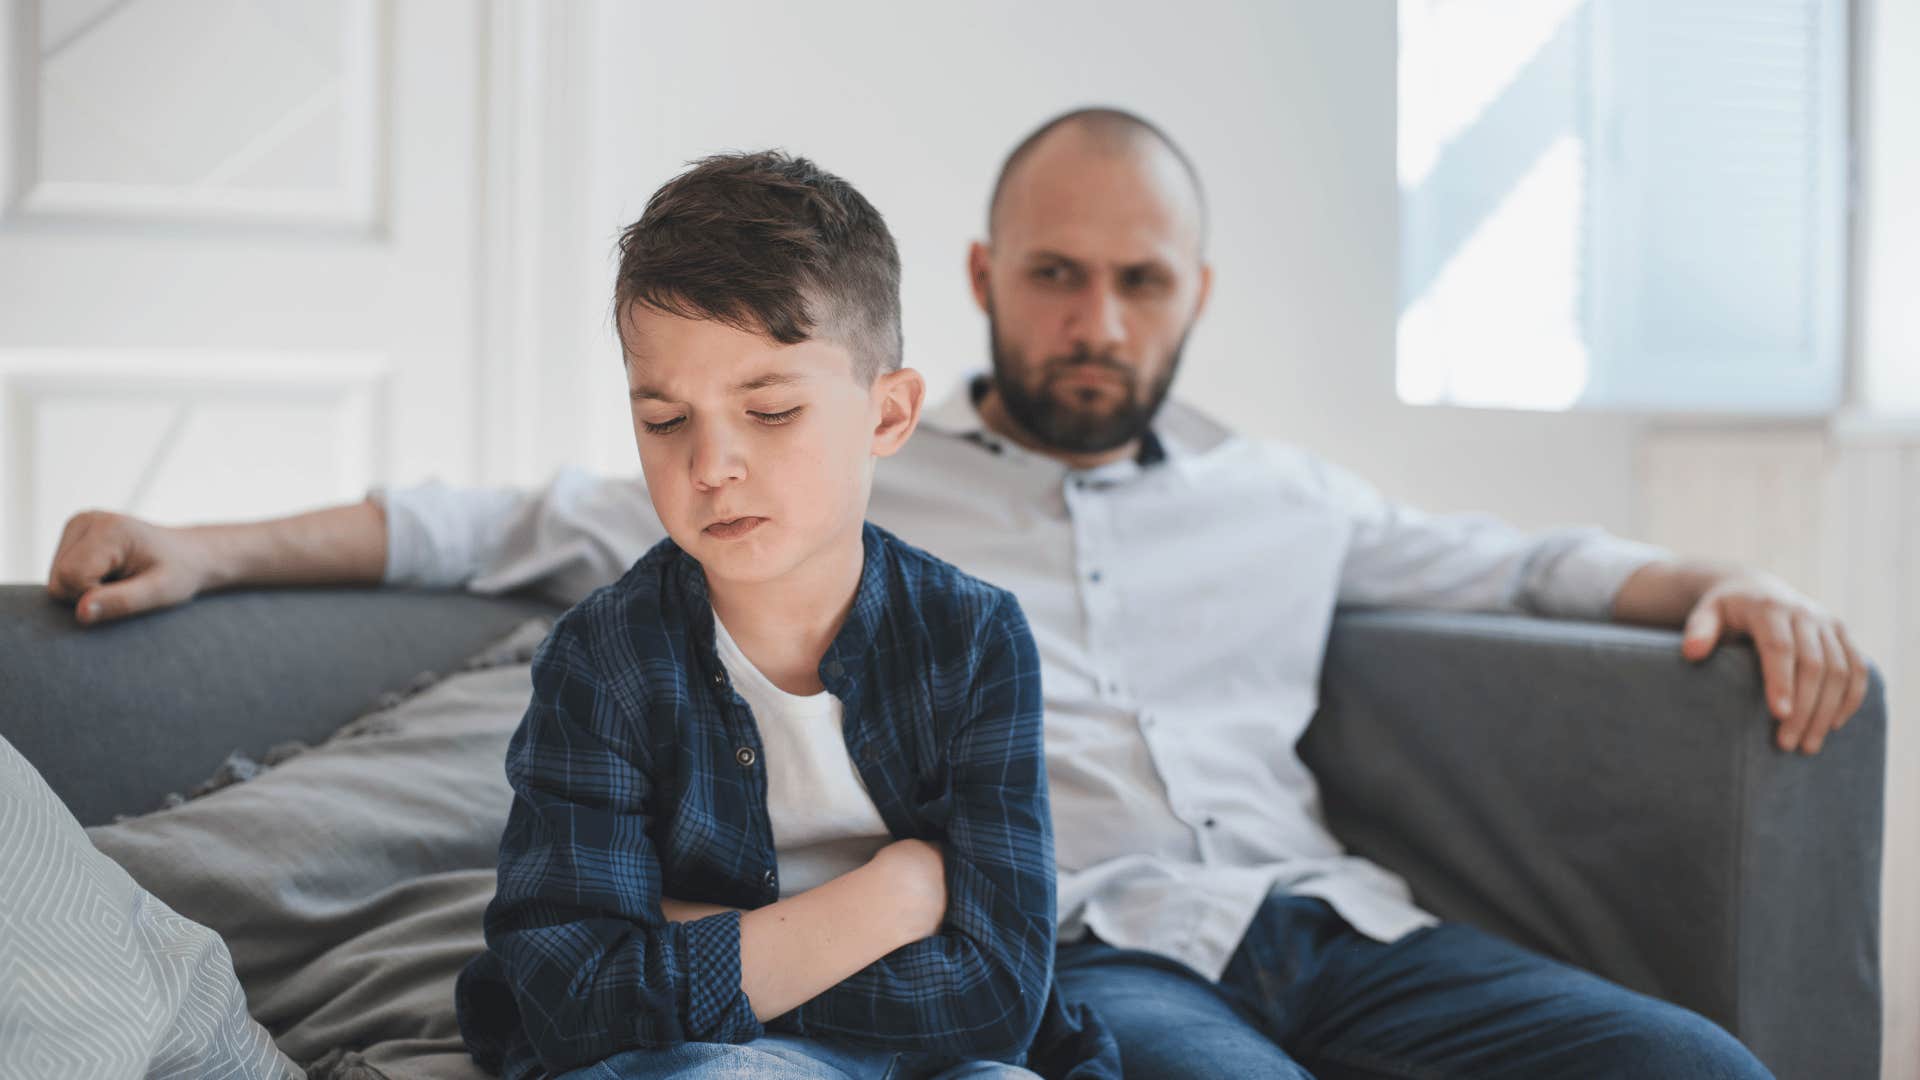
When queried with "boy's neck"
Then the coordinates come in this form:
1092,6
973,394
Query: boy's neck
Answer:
786,625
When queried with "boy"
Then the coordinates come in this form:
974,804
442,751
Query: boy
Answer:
779,796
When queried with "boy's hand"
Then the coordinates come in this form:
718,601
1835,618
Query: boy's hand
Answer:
917,872
114,566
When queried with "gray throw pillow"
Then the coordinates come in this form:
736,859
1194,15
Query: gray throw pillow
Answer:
99,979
349,879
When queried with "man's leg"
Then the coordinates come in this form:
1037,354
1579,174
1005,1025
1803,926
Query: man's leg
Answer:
1451,1001
1169,1021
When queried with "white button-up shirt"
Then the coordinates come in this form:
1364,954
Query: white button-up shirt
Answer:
1181,609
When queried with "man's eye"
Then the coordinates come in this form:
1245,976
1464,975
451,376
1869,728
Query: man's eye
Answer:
778,418
665,428
1051,275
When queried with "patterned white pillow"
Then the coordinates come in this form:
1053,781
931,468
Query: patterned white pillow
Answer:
98,978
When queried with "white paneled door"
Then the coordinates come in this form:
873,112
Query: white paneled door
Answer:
238,255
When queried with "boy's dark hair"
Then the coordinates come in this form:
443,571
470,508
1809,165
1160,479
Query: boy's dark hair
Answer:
771,244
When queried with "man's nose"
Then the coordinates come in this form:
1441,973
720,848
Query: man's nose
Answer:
1099,321
717,457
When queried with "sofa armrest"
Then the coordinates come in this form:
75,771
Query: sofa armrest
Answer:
116,716
1585,791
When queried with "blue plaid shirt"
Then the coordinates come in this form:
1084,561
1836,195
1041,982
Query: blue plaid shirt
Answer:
633,781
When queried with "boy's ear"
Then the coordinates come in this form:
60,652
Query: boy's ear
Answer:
900,395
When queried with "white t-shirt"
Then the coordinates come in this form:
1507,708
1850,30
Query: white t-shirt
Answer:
824,822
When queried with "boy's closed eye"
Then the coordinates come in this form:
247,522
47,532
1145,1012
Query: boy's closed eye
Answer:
668,425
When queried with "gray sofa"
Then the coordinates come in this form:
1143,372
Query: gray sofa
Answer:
1578,788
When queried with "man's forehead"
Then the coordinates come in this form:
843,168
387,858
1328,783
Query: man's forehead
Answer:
1070,188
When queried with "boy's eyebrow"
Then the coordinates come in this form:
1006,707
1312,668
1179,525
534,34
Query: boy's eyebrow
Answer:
774,378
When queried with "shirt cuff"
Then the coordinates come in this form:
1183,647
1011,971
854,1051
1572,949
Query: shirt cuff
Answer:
717,1010
1578,577
415,555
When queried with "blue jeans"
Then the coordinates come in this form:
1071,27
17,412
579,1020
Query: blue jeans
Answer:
1308,996
783,1057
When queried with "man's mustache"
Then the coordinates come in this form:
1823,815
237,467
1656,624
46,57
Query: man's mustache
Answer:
1084,357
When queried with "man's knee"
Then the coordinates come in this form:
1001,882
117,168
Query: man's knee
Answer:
1666,1040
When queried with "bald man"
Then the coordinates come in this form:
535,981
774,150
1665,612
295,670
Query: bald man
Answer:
1180,581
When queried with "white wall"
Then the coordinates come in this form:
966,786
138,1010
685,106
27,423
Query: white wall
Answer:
1287,108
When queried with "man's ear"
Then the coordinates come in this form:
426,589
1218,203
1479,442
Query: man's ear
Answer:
1206,289
978,258
900,395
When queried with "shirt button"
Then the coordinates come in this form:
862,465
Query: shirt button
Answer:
744,755
770,877
719,679
1211,822
835,669
1094,577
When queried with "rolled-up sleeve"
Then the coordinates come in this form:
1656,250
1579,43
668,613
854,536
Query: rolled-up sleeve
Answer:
977,988
563,539
1399,556
594,967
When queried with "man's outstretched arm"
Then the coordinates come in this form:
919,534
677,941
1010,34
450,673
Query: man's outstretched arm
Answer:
564,539
111,565
1815,676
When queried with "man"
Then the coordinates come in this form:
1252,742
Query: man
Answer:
1180,582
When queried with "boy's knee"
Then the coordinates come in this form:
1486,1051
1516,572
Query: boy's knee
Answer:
987,1070
710,1061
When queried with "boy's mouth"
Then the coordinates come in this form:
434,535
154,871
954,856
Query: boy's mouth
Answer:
733,528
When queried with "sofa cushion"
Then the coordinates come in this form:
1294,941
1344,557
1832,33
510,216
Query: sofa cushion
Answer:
349,880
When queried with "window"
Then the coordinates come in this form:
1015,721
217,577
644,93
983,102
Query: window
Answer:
1623,204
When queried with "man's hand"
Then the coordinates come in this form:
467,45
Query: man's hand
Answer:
1815,676
113,566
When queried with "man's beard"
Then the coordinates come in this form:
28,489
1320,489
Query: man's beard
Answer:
1060,425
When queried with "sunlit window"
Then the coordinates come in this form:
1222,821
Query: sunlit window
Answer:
1623,204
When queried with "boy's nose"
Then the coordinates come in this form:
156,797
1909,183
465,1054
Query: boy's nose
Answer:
716,462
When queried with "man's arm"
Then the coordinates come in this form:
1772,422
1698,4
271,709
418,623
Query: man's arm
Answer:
111,565
566,539
1815,676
